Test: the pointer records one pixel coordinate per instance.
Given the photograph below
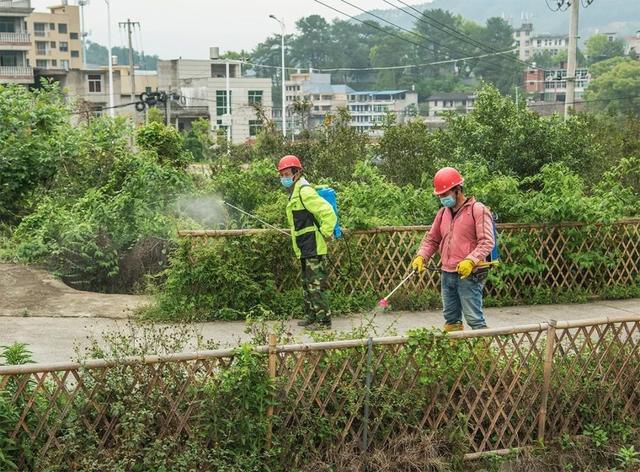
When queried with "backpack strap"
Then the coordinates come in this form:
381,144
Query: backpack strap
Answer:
315,220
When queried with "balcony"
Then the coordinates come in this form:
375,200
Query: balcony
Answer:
15,39
23,4
16,74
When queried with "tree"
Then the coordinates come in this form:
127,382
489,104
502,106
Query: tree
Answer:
510,138
98,54
600,48
312,47
438,43
32,142
166,142
615,86
501,70
391,52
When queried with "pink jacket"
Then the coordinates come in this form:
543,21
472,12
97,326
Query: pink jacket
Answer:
466,236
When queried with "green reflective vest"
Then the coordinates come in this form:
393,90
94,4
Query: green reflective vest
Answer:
311,219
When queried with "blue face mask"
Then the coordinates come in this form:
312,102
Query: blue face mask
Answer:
448,201
286,181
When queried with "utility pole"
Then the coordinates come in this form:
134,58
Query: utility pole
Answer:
131,24
569,101
284,105
83,33
167,108
228,100
110,61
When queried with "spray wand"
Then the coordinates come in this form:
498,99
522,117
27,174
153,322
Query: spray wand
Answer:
286,233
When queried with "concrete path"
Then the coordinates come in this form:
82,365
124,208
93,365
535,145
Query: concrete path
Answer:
52,339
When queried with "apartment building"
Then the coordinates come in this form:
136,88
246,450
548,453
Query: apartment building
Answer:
204,83
15,42
369,108
323,96
458,102
56,38
530,44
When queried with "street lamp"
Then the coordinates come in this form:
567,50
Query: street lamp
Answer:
109,59
284,114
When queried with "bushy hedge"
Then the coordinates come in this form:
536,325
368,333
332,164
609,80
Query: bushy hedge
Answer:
101,196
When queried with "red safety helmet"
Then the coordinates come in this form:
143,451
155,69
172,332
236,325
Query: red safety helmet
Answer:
445,179
289,161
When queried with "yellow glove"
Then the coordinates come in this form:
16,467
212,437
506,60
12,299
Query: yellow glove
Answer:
418,264
464,268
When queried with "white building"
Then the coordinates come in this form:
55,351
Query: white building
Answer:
459,102
522,37
203,82
323,96
530,44
15,42
369,108
632,44
555,84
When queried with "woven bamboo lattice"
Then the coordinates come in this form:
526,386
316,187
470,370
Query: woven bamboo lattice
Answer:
572,256
500,388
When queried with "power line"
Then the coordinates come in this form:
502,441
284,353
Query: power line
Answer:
406,66
557,7
373,25
629,97
451,30
386,31
424,38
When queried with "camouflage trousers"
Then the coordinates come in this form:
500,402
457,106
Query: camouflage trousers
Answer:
314,284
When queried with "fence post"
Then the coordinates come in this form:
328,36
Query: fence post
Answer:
367,394
273,340
548,365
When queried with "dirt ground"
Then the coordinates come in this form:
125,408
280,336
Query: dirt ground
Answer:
28,291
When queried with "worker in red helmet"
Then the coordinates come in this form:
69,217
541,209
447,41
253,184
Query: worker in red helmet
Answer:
462,232
311,220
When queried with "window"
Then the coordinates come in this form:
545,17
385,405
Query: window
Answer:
316,97
52,26
64,64
221,102
75,53
73,35
8,58
7,25
95,83
41,48
63,46
221,127
38,29
254,127
42,63
255,97
326,108
62,28
327,97
54,63
53,44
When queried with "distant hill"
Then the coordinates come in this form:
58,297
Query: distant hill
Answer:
621,16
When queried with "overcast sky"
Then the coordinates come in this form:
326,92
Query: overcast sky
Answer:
173,28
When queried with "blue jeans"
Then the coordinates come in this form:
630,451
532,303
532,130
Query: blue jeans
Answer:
462,297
